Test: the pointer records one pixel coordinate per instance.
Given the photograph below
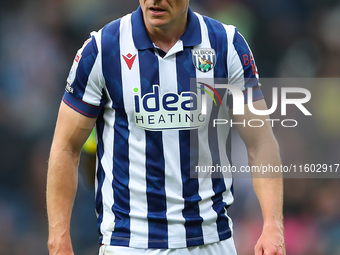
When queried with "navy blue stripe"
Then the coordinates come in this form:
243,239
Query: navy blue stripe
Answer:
213,140
191,213
257,95
244,54
222,223
155,164
218,41
120,183
155,190
218,184
100,173
189,157
113,79
85,65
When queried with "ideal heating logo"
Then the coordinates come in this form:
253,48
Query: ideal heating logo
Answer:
154,111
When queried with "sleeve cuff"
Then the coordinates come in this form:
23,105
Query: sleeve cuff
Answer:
81,107
257,95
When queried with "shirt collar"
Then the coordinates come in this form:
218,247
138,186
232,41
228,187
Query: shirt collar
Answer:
142,41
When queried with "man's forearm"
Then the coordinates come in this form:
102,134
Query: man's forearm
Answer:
269,186
72,130
269,192
263,150
62,183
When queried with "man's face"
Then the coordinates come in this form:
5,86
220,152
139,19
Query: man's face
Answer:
164,13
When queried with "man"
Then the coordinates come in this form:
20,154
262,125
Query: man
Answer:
131,80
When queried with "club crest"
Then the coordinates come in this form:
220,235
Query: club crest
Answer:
204,59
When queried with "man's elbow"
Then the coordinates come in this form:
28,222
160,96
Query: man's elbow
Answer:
267,151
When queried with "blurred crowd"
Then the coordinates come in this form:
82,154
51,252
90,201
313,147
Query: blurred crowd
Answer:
289,38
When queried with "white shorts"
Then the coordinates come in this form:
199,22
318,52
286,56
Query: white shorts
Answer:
225,247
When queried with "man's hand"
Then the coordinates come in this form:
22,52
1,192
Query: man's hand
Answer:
61,251
59,241
60,248
271,241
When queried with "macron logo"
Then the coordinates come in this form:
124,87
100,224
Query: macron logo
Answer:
129,59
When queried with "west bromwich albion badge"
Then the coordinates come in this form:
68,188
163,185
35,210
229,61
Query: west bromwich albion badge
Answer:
204,59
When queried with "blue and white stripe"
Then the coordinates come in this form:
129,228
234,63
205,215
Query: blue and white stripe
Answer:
145,197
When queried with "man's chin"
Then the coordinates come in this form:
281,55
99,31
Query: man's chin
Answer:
158,23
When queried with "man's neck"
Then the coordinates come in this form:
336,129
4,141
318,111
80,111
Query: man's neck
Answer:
166,37
165,40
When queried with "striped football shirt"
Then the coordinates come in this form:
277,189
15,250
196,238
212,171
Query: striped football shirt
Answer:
151,133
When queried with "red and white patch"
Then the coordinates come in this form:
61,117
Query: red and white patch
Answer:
77,58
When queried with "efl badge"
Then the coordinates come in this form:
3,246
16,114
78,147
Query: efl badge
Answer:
72,74
204,59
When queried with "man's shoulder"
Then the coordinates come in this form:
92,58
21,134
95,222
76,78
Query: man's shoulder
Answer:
109,33
113,26
216,26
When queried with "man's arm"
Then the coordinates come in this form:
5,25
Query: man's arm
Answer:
72,130
263,150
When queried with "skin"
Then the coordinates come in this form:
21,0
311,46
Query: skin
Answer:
263,148
165,21
72,130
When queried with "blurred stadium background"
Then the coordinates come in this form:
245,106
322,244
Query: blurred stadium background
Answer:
289,38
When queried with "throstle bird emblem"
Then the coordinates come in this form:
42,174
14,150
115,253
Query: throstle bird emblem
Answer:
204,59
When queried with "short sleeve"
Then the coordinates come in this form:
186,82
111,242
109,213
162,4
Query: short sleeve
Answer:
85,83
242,70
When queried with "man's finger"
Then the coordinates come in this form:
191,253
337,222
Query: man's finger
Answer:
281,250
258,250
